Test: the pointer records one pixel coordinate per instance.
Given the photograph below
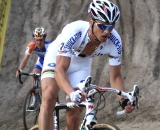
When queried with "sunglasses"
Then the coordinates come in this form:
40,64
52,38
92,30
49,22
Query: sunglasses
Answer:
105,27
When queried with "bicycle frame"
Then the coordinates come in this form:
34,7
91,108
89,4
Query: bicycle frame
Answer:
35,89
35,83
90,119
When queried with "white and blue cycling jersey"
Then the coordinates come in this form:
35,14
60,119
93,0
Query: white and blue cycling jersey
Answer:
32,47
71,42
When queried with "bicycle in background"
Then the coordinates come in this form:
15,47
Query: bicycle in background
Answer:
32,103
89,121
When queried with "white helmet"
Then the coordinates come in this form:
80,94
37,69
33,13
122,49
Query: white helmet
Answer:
104,10
39,33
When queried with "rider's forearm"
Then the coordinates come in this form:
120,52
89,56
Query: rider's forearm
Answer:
63,81
22,65
118,83
24,62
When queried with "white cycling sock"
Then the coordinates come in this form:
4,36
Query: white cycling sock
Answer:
33,100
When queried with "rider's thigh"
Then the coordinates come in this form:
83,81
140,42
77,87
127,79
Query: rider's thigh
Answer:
73,117
36,70
73,113
50,91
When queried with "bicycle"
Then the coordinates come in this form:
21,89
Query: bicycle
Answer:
30,116
89,121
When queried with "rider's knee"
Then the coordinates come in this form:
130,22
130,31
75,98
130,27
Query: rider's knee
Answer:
74,115
48,101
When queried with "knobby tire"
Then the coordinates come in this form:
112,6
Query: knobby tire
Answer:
35,127
107,126
30,118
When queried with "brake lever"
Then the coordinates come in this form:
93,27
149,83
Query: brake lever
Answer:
84,84
133,98
136,94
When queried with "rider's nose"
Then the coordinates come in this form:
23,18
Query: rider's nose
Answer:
107,31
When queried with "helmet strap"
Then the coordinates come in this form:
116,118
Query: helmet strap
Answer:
93,32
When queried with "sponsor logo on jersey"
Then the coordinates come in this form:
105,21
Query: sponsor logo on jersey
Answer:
62,51
72,40
116,42
90,107
52,64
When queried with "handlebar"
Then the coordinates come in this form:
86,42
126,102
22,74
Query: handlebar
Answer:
91,89
35,75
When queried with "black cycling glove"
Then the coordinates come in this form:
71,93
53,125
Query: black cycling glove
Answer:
123,103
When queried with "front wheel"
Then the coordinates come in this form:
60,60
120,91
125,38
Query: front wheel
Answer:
108,126
35,127
30,116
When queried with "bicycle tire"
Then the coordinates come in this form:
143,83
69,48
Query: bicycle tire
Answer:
30,117
107,126
35,127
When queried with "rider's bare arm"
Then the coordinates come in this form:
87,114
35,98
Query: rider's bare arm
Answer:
116,78
62,64
23,63
117,83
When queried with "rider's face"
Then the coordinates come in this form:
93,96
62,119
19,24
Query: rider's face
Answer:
40,43
101,29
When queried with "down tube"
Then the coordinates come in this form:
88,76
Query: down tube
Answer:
56,119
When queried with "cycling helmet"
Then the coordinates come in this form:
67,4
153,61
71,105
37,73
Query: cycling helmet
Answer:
39,33
104,10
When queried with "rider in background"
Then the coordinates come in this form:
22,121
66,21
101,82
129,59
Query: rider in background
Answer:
38,45
69,57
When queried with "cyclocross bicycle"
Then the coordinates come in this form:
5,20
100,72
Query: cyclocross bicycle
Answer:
30,115
89,121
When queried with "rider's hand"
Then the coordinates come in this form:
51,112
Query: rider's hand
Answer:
125,104
72,105
129,108
17,72
77,96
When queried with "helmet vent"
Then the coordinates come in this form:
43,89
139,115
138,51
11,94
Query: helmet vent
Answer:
93,4
98,2
109,14
101,7
113,13
106,4
116,17
112,4
94,14
103,16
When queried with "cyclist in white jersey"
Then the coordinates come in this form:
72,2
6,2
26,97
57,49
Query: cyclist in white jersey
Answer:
69,57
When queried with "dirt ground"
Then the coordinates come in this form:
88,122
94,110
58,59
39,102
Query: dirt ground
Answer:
139,28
